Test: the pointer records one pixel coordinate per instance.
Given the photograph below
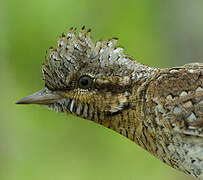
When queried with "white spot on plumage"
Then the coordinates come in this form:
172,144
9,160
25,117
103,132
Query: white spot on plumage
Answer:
169,97
184,93
177,110
192,118
79,108
199,89
72,105
191,70
188,104
85,110
118,50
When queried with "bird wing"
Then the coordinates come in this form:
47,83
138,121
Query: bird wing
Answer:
177,97
178,94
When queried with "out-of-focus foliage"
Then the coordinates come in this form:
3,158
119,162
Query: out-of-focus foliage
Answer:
36,143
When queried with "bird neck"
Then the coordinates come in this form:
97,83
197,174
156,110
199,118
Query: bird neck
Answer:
130,122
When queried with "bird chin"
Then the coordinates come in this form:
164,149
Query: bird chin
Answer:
54,107
59,106
67,105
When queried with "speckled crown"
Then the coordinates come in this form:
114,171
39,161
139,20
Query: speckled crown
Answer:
73,50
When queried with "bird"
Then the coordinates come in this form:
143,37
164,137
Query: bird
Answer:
160,110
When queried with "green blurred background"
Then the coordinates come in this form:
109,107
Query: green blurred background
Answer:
38,144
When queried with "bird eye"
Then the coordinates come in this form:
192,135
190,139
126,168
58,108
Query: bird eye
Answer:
85,82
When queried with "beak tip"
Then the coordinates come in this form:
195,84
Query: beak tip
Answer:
20,102
42,97
17,102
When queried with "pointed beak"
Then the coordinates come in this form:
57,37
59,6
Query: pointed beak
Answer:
43,97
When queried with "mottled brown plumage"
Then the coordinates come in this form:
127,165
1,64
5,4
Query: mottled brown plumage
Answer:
159,109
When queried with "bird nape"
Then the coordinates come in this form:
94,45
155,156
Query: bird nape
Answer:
159,109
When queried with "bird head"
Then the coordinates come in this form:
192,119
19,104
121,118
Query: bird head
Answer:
86,78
